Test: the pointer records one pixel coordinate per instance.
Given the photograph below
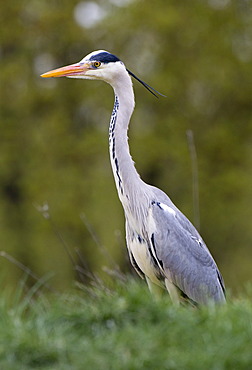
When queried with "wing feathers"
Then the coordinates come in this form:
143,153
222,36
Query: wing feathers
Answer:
182,255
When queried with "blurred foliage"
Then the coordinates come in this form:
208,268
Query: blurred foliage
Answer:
53,142
120,328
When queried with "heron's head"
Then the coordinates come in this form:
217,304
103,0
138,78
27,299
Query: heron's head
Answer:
98,65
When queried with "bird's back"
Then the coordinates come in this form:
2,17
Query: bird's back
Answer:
175,251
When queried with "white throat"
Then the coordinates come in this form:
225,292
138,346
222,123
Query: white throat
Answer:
127,179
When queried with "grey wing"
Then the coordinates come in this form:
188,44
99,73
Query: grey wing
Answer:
182,254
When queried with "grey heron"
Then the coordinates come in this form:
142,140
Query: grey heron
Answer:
163,245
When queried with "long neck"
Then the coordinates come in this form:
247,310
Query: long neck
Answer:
126,177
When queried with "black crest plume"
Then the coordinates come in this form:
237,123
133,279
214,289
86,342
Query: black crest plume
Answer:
148,87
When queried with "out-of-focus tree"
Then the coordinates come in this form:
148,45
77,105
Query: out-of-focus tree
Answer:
53,144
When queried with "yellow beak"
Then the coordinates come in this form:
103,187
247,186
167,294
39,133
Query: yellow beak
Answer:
71,70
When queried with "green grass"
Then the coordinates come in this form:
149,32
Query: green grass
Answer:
121,328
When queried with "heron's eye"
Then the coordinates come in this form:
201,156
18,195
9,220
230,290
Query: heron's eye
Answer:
96,64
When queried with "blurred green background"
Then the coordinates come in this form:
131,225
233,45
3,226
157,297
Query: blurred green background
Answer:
53,141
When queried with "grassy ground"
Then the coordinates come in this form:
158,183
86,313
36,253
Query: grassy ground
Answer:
122,328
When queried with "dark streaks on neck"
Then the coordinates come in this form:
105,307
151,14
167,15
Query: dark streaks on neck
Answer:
112,142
